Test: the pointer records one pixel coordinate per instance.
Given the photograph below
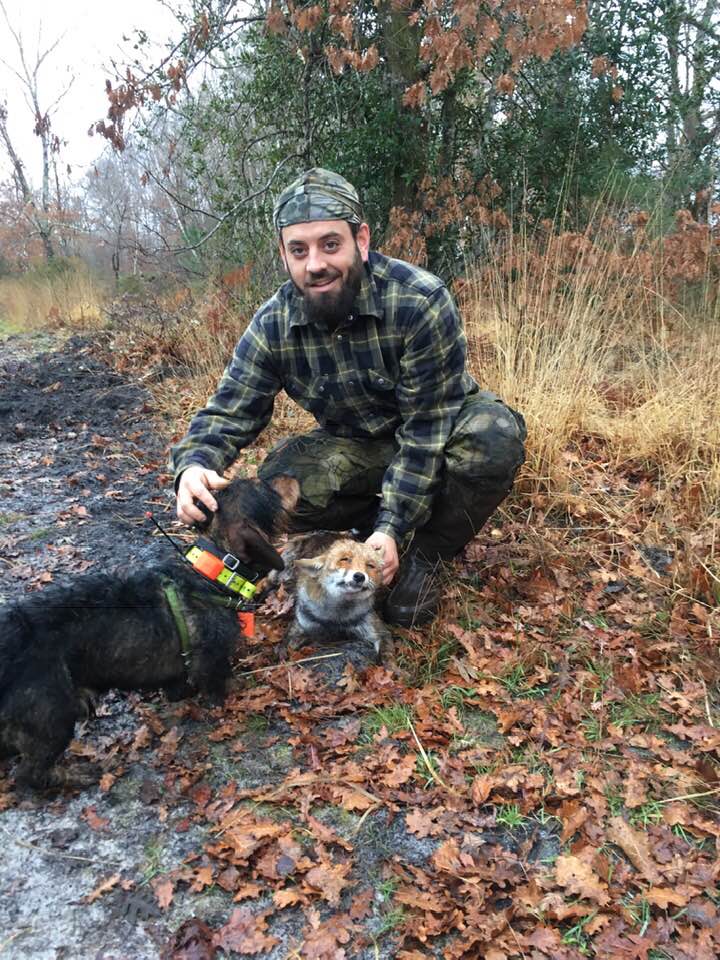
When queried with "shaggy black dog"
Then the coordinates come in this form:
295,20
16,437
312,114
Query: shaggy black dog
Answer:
60,646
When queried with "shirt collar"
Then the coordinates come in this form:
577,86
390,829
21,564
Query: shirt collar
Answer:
366,302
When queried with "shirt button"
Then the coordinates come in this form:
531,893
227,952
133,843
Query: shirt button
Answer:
322,389
351,383
380,380
339,336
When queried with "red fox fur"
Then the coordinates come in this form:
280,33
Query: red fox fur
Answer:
336,585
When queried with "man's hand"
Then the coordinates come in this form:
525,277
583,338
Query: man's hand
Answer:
390,554
195,484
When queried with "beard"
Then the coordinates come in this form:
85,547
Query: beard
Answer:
331,307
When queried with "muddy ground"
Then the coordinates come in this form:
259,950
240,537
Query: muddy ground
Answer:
88,873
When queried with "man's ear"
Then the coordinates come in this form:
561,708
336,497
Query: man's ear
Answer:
363,241
281,250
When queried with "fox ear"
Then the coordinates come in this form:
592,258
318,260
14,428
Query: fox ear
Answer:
378,548
310,565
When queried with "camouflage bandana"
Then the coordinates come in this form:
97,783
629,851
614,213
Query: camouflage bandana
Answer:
317,194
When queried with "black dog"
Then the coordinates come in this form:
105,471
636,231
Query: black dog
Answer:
163,627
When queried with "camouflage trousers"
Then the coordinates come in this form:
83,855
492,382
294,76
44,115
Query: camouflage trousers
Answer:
340,478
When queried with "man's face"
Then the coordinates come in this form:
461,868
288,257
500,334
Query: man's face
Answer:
325,262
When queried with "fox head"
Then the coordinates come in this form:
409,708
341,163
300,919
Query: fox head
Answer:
346,568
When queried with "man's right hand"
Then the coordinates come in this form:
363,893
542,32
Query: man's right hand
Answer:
195,484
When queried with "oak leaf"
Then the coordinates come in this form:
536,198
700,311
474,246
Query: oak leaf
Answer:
635,846
329,880
422,822
163,889
102,888
401,772
664,896
245,932
421,899
578,877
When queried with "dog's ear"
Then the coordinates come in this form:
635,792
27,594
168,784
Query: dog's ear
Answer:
252,548
311,565
287,488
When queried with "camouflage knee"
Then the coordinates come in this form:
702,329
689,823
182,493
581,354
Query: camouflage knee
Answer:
487,441
338,476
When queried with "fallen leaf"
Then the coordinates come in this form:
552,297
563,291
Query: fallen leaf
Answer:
163,889
329,880
663,896
578,877
95,821
245,932
104,887
636,847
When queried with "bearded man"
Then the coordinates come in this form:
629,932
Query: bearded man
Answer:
408,449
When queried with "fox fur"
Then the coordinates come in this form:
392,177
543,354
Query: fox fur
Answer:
336,581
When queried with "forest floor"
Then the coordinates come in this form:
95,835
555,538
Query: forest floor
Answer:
534,777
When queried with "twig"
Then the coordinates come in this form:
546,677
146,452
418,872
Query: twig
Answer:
58,853
362,819
289,663
14,936
690,796
434,775
707,704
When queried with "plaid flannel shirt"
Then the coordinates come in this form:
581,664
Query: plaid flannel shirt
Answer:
395,367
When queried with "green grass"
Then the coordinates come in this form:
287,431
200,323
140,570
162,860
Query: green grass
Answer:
152,865
6,519
515,681
395,718
649,813
256,723
575,936
510,816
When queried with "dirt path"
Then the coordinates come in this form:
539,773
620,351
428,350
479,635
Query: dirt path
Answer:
91,874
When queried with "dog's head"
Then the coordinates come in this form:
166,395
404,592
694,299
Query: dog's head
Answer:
249,513
346,569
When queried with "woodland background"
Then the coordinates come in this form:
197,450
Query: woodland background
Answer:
556,162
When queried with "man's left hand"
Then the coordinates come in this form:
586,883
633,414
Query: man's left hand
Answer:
389,548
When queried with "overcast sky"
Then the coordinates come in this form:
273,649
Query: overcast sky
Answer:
92,35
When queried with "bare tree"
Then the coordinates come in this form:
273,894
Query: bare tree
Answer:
27,73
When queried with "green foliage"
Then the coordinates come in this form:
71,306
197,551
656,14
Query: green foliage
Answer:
612,117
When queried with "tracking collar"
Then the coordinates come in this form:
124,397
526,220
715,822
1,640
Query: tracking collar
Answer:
223,569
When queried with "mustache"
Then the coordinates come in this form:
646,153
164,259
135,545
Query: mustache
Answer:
315,279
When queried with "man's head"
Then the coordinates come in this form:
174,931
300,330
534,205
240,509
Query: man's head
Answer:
323,242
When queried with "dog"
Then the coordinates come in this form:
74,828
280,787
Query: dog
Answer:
164,627
336,582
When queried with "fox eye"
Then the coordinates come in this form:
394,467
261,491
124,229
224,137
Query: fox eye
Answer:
344,559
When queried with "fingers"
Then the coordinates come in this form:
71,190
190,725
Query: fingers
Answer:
391,560
196,484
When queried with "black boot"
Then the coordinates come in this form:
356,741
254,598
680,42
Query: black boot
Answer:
459,511
414,598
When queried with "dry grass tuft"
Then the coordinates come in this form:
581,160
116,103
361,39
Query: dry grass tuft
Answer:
557,331
62,294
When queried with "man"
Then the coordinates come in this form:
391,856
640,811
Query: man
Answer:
375,350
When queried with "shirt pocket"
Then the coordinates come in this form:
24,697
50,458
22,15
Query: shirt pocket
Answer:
379,387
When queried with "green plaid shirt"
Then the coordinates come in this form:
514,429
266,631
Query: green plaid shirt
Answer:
396,367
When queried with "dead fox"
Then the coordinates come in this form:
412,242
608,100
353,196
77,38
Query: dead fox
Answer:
336,582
